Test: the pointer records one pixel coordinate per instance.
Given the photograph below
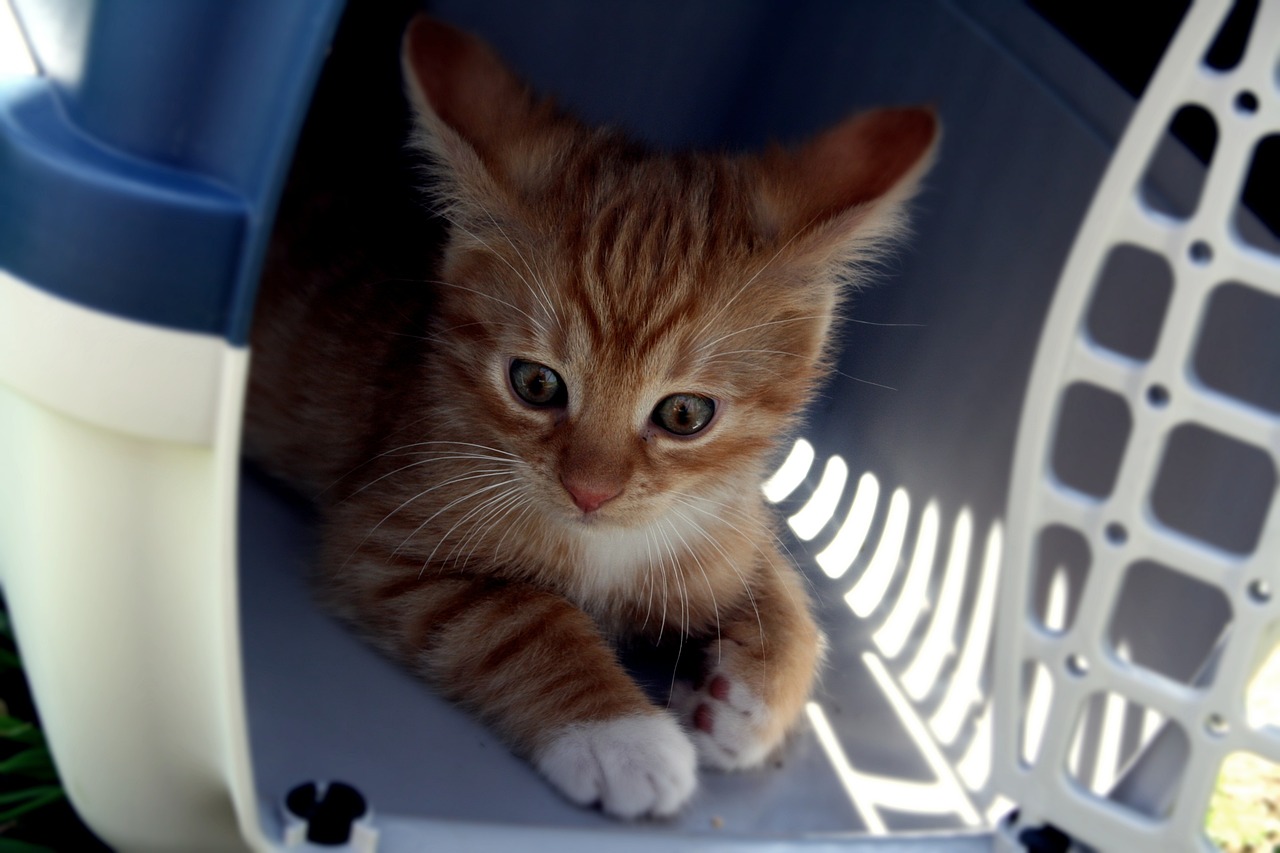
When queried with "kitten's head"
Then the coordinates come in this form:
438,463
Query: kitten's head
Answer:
639,328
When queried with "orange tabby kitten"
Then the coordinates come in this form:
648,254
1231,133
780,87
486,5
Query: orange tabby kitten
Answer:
559,441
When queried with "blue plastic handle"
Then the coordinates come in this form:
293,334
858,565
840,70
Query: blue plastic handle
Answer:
139,173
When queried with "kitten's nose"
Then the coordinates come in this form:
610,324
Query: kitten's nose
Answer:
589,497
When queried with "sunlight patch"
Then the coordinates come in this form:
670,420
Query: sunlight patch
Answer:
15,59
869,591
814,515
837,557
791,474
912,601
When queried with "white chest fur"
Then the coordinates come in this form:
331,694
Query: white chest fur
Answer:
612,561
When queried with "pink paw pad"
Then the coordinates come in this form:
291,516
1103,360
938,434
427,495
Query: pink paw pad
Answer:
728,721
703,718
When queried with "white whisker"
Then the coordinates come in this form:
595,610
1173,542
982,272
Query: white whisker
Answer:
729,561
692,552
662,566
743,287
443,484
545,299
884,325
469,496
709,344
483,517
421,462
519,519
649,582
684,609
455,223
402,447
722,507
721,357
537,324
450,505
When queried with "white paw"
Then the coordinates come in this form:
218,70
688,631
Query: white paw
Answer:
728,720
633,766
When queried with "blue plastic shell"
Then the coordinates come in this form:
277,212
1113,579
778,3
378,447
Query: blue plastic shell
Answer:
139,173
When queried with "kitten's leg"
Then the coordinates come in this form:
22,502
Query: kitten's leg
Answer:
757,674
536,669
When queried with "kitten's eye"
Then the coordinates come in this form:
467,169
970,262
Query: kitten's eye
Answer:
684,414
537,384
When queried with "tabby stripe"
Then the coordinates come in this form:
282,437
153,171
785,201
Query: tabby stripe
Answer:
677,316
538,626
588,701
442,608
397,587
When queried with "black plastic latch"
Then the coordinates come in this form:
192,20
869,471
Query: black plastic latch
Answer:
328,814
1045,839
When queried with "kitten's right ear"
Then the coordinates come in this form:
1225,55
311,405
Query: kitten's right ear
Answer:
477,118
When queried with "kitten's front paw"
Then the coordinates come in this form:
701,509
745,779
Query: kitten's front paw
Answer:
634,766
732,726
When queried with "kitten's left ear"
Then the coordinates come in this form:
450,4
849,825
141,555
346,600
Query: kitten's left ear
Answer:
842,193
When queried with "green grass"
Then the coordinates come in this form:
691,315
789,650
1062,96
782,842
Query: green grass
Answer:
35,815
1244,813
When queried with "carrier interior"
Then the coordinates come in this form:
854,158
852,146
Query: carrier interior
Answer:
896,485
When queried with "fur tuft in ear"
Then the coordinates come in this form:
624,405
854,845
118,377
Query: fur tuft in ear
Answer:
845,188
459,82
831,204
490,136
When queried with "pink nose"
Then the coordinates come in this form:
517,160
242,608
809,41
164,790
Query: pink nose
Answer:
589,497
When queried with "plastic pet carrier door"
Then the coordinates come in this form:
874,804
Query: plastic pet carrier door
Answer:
1144,549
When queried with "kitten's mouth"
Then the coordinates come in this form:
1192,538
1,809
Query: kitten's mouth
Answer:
590,519
597,518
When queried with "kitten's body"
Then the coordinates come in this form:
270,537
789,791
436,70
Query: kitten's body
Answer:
498,547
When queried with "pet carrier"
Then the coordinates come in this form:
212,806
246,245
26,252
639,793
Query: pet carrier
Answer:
1036,503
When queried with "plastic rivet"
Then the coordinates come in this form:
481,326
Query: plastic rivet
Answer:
1201,252
1116,533
1259,591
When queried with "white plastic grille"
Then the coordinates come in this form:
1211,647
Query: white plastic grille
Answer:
1141,584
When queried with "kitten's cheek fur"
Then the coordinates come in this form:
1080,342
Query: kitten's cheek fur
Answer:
638,766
